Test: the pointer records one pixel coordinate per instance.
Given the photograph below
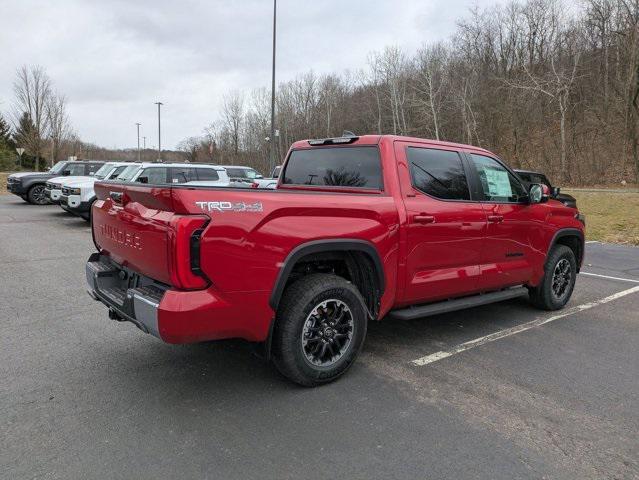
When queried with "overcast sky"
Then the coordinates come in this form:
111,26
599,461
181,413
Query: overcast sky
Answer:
114,58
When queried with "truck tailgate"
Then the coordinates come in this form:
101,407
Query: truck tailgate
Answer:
132,224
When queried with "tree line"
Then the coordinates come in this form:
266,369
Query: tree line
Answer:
545,85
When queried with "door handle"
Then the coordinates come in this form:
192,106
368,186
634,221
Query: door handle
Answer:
495,218
423,218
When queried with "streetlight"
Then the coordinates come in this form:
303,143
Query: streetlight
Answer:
272,160
138,125
159,133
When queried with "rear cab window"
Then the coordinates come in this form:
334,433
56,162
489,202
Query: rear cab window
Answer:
351,167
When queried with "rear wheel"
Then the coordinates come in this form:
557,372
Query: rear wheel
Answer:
37,195
560,273
319,330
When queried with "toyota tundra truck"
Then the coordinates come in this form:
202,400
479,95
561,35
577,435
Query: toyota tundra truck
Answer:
358,229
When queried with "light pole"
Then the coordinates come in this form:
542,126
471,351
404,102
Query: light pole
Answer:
138,125
159,104
272,143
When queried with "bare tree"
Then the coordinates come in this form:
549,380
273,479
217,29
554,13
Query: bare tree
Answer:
233,114
32,90
431,85
59,130
190,146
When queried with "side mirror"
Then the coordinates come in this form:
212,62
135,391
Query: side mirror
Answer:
143,180
538,193
66,173
555,191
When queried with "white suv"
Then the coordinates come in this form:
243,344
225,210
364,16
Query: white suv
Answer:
77,194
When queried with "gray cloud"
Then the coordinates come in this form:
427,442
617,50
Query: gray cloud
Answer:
113,59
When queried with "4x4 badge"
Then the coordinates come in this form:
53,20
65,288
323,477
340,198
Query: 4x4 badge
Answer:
230,206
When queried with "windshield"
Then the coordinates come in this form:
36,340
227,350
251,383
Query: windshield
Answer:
128,173
102,172
57,168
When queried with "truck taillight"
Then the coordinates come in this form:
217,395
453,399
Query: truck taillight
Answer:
184,252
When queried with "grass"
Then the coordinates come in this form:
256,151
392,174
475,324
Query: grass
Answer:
3,183
610,217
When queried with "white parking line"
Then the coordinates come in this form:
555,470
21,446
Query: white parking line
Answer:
434,357
610,278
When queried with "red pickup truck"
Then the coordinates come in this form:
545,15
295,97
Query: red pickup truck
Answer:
358,229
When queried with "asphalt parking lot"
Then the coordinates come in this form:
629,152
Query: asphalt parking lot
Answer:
499,392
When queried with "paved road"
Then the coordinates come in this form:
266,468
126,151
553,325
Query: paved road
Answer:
85,397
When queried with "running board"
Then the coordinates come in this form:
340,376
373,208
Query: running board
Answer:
446,306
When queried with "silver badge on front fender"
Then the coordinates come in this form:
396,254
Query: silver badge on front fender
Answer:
230,206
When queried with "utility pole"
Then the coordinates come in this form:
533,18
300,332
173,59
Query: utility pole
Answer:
159,133
272,142
138,125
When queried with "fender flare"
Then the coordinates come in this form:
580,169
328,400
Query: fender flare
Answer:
319,246
570,232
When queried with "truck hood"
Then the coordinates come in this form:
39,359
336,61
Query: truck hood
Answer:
86,182
27,174
67,180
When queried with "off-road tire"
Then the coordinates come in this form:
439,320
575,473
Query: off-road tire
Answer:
34,197
296,305
543,296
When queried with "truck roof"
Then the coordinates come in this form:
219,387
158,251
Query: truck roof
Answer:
377,139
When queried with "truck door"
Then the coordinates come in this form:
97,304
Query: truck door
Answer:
445,229
507,257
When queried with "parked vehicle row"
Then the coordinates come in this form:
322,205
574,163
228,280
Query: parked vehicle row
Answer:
358,229
70,184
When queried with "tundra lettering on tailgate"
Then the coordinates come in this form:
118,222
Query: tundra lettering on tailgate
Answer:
230,206
120,236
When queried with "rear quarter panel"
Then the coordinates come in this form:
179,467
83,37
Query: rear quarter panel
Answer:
243,251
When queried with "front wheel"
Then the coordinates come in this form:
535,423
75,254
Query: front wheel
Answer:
560,273
37,195
320,329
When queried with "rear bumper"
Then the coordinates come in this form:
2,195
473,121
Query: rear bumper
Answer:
176,316
109,284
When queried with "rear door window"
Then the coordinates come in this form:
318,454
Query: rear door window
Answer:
438,173
236,172
154,175
207,174
74,169
93,167
182,174
356,167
